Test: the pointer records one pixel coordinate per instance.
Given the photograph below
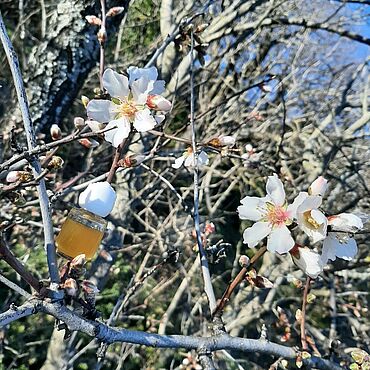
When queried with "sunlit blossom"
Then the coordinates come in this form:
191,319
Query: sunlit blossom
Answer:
133,99
272,216
187,159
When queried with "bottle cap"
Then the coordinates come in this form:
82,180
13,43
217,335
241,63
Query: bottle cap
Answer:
98,198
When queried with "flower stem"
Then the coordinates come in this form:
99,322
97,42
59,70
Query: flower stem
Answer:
237,280
303,320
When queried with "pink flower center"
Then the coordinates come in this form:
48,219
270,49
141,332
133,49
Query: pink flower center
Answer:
277,215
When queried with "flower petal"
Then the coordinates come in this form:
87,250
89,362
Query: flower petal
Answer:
252,208
203,158
280,240
116,84
102,111
144,121
308,261
136,73
178,162
158,87
292,208
189,160
117,135
140,89
253,235
311,202
275,189
347,222
332,248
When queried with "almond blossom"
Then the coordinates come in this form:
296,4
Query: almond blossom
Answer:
309,261
187,159
133,99
272,216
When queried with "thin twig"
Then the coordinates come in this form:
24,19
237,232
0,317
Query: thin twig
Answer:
303,319
34,161
13,286
237,280
208,288
12,261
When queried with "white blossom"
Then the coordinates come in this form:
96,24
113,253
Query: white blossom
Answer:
187,159
318,187
132,101
272,215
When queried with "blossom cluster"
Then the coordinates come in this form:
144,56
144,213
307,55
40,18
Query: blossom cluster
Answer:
135,100
276,219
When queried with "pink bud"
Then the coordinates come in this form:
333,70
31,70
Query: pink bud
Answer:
88,143
158,102
318,187
12,176
115,11
93,20
55,132
227,141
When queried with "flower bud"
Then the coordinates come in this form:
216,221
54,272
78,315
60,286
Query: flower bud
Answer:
79,122
102,35
249,148
98,198
307,260
88,143
85,100
318,187
116,10
201,27
55,132
21,176
95,125
55,163
71,287
244,261
131,160
209,228
79,261
158,102
93,20
222,141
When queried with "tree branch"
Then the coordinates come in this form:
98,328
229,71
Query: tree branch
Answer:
34,161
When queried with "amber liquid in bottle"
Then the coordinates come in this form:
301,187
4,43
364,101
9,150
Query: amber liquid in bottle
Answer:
81,233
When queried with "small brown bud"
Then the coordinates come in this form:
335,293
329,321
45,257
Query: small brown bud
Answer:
79,122
201,27
21,176
88,143
55,163
89,287
131,160
102,35
209,228
55,132
115,11
93,20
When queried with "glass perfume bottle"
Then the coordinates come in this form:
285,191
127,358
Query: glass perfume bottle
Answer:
84,228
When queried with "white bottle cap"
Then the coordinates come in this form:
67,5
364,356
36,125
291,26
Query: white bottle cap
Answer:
98,198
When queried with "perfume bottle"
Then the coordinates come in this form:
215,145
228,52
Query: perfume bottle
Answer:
84,228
